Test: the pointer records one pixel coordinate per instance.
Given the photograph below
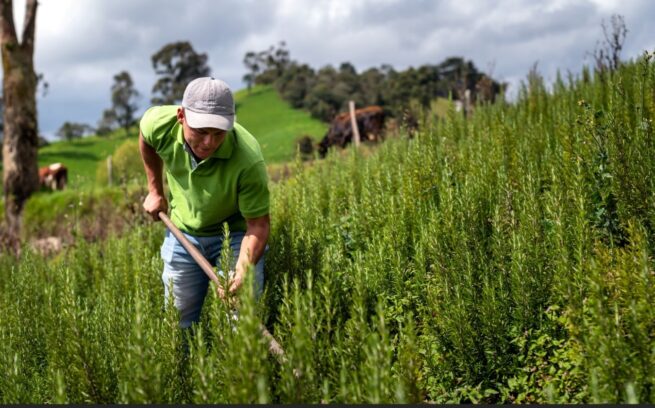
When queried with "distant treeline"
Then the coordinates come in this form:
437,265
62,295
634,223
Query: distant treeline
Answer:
326,91
323,92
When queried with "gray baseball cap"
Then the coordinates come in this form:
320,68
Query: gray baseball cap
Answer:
208,102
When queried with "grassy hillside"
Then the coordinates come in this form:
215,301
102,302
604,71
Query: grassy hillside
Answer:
82,156
274,123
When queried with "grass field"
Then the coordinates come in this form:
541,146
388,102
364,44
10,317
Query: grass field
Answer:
81,156
504,258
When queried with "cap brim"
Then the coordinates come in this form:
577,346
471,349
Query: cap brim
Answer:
206,120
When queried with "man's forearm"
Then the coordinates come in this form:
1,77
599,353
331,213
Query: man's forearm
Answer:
153,166
254,243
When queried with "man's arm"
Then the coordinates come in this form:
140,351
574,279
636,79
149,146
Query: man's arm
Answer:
252,248
153,165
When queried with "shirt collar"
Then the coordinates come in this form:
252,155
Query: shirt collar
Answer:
224,151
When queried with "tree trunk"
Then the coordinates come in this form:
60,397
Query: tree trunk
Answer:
20,171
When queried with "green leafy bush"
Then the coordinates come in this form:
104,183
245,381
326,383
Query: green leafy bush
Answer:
126,164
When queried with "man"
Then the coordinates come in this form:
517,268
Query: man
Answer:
215,173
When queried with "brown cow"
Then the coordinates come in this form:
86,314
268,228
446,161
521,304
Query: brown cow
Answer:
53,177
370,121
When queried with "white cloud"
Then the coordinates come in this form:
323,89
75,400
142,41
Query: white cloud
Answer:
80,45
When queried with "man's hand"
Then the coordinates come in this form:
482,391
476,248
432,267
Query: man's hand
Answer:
154,203
234,282
237,280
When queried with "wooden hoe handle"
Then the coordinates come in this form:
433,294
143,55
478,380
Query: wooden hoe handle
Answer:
274,347
190,248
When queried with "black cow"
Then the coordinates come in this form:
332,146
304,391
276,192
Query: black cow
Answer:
370,121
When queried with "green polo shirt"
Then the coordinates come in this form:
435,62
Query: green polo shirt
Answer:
228,186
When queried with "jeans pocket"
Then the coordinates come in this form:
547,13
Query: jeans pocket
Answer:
167,248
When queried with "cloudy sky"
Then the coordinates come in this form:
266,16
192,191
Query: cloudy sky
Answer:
80,45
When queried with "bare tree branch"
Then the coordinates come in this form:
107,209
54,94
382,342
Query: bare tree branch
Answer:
608,54
7,30
28,26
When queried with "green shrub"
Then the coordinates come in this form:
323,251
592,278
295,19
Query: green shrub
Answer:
126,163
503,258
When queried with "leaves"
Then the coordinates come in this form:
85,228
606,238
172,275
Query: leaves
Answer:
176,64
468,264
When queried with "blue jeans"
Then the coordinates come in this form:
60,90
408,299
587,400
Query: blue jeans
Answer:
189,281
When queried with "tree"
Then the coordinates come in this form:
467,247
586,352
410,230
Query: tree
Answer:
71,130
326,92
276,60
42,140
295,83
608,55
266,67
371,81
107,122
177,64
2,119
253,64
322,101
123,100
21,140
40,82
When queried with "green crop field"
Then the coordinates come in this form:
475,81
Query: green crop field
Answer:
504,258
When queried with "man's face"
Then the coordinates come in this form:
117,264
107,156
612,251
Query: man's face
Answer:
203,141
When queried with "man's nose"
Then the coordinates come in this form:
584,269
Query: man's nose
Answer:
207,140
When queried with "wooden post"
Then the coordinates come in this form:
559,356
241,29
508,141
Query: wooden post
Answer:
109,169
353,122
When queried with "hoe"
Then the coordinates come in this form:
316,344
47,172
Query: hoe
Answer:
273,346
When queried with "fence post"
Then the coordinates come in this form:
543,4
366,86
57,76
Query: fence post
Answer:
353,122
109,169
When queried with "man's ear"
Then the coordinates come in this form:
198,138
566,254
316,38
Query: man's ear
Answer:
180,115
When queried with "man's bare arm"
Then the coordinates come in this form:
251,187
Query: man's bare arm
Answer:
252,247
153,165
